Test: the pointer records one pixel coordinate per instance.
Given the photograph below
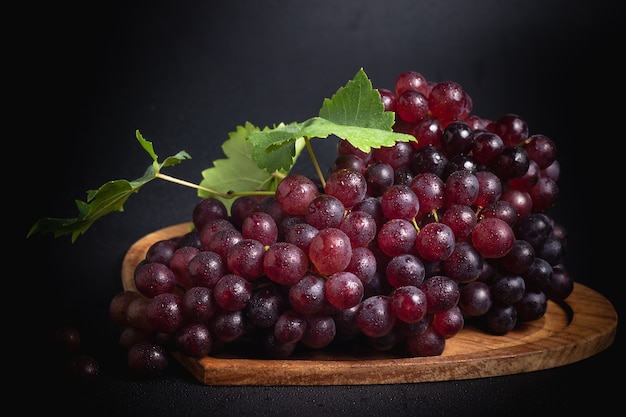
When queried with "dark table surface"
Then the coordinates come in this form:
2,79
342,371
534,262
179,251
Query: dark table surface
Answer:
186,74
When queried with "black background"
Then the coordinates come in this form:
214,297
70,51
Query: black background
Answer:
83,79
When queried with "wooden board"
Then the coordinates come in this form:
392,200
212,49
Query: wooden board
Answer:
569,332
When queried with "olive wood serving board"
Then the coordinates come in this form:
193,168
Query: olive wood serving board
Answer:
582,326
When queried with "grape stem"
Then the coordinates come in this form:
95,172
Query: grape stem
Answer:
229,194
314,161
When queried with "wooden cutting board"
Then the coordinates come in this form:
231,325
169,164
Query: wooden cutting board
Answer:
569,332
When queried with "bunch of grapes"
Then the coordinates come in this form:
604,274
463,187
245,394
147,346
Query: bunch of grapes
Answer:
397,249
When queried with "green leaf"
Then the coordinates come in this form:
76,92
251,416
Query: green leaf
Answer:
110,197
357,104
354,113
239,172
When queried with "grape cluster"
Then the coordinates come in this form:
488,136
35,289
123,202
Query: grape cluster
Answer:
397,249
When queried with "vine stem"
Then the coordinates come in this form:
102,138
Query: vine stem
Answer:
314,161
231,194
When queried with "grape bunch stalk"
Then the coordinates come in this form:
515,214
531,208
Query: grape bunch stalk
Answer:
397,249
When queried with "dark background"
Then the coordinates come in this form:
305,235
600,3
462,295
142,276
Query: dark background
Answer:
185,74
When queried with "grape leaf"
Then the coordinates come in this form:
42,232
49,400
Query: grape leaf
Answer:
110,197
239,172
354,113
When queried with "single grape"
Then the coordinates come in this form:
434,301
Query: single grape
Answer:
493,237
428,343
330,251
147,359
295,192
374,317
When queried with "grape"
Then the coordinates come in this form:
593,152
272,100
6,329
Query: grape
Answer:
350,162
461,187
538,275
464,264
489,188
435,242
211,227
540,149
512,162
245,258
161,251
295,192
85,368
179,264
508,289
396,156
475,299
411,106
379,176
457,139
330,251
388,98
405,269
449,322
441,292
260,226
265,306
534,228
289,327
147,358
307,295
544,194
346,148
232,292
325,211
410,80
486,146
285,263
532,306
154,278
501,319
396,237
194,340
118,308
561,284
206,268
511,128
493,237
447,100
343,290
374,318
208,209
427,131
461,219
520,257
301,235
399,202
198,305
136,314
428,343
223,240
319,332
501,209
164,313
362,264
430,159
408,303
243,207
360,227
347,185
228,326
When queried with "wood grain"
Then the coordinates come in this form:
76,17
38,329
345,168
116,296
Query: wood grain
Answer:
569,332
